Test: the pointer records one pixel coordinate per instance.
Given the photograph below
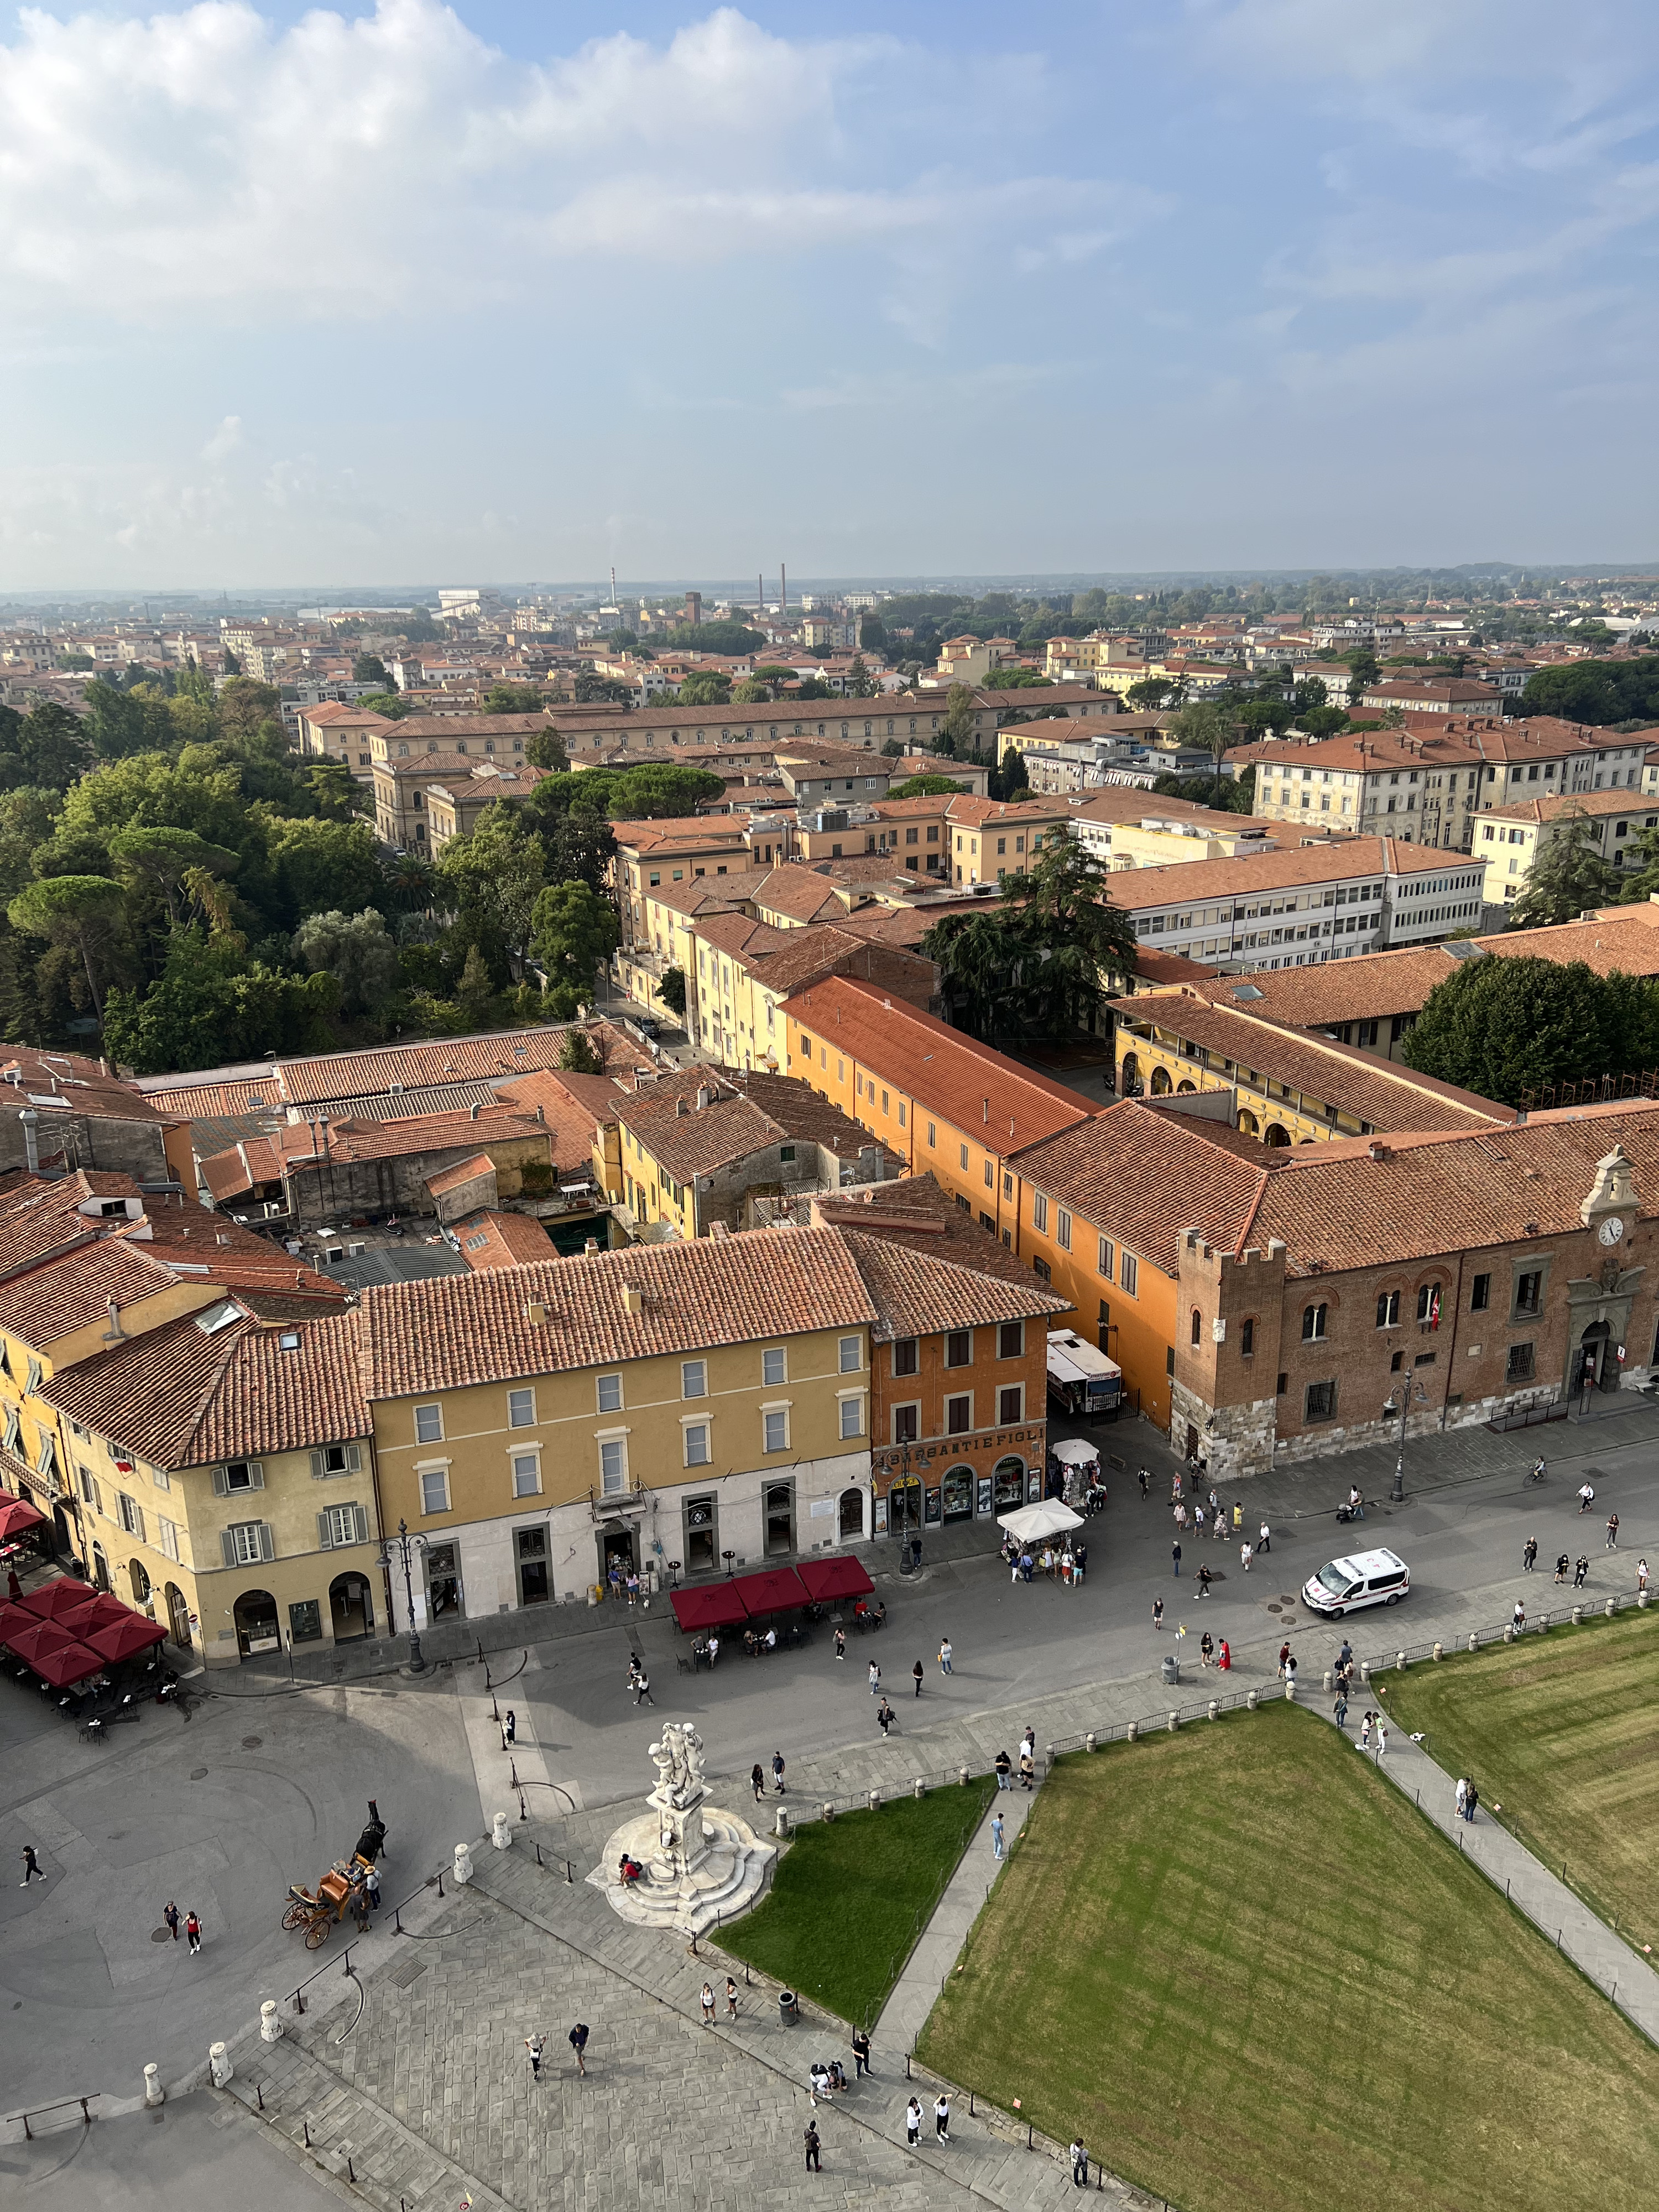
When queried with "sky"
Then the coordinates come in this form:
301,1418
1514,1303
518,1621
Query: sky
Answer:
504,293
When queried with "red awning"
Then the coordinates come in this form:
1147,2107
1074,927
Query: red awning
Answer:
17,1517
56,1655
779,1590
125,1639
832,1578
54,1599
711,1605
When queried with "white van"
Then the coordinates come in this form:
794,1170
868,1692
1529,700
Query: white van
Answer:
1376,1578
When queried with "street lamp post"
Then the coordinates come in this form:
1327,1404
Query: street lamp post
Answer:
1390,1410
407,1545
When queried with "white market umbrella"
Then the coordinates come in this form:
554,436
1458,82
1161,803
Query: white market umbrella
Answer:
1050,1518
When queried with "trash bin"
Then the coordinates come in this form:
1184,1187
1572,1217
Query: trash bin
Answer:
1171,1668
788,2008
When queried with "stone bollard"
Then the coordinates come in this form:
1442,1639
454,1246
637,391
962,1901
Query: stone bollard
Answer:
1088,1740
219,2065
1215,1708
875,1801
1642,1600
780,1825
1577,1615
1175,1722
1508,1634
916,1789
1399,1660
1050,1755
1132,1733
1364,1673
153,2093
463,1866
1329,1682
270,2028
1251,1700
829,1810
1439,1650
500,1832
1475,1642
1612,1607
963,1776
1290,1693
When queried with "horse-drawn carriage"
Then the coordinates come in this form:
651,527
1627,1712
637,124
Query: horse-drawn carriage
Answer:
346,1883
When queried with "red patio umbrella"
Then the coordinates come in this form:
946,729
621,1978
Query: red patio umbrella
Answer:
53,1600
125,1639
101,1610
56,1655
711,1605
779,1589
825,1579
13,1620
17,1517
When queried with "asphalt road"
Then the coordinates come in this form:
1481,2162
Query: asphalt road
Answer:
221,1811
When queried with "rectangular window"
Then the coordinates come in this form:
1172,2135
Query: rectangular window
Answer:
610,1393
1529,1291
521,1409
907,1424
776,1433
990,1176
1520,1364
1010,1405
962,1151
132,1515
959,1347
1011,1339
774,1365
906,1355
958,1416
526,1474
166,1535
435,1490
852,1355
1247,1339
1428,1301
1128,1274
1320,1404
1481,1298
342,1521
696,1443
613,1466
694,1378
1062,1229
1104,1256
852,1418
244,1542
428,1424
932,1135
1039,1211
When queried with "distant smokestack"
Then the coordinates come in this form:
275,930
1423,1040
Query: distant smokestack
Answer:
783,589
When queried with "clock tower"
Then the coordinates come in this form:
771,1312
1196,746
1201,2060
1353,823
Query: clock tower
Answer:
1599,1306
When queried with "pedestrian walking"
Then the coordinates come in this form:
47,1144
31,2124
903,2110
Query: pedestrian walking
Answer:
1612,1532
1561,1566
1245,1556
731,1998
1027,1767
1238,1519
1264,1542
1641,1576
1530,1554
860,2053
942,2118
171,1916
1225,1657
1175,1487
997,1849
1158,1613
875,1679
757,1781
1339,1709
1284,1654
535,2044
1381,1735
1290,1673
1143,1481
708,2001
945,1656
813,2165
1470,1801
1181,1516
840,1643
777,1772
1518,1619
1003,1765
31,1867
913,2124
1079,2165
1586,1497
642,1689
1203,1581
1175,1553
1198,1520
1206,1649
509,1729
1079,1561
578,2041
885,1716
633,1670
1366,1720
192,1932
1460,1796
1580,1572
916,1672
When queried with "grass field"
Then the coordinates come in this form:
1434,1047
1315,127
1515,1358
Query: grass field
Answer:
850,1896
1562,1731
1258,1981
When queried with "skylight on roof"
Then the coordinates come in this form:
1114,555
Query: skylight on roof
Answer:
1249,991
218,1317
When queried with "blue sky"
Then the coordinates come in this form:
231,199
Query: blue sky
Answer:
504,293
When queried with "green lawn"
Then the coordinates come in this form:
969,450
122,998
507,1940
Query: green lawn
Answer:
1258,1981
1562,1732
850,1897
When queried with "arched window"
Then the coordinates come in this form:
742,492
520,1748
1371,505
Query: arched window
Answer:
1160,1082
1183,1086
1198,1325
1277,1137
1313,1324
1388,1308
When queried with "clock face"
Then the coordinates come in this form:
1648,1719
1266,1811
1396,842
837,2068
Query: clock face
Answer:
1611,1229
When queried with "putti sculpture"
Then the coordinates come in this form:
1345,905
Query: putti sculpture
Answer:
697,1865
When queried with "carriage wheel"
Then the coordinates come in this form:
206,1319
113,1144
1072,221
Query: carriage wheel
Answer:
295,1915
317,1934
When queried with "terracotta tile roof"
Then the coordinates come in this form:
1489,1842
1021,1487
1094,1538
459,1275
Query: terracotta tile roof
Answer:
463,1172
41,1215
793,958
750,1111
1181,882
574,1108
740,937
971,813
488,1239
469,725
300,1142
1564,803
715,833
1161,970
249,1162
86,1086
806,894
1141,1178
60,1296
929,1266
450,1333
181,1397
1380,1092
962,1082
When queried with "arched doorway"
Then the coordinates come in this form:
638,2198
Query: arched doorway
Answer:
1277,1137
1184,1086
850,1520
1249,1126
350,1608
178,1616
1596,1371
140,1581
1008,1483
62,1537
1160,1083
957,1489
255,1619
1130,1076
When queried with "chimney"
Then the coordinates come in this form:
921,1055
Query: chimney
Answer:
984,1109
31,1121
535,1312
322,1130
592,1245
633,1299
114,1334
705,1097
679,1106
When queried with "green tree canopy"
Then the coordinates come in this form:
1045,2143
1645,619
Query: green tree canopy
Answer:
356,950
1568,876
211,1003
325,868
545,749
707,688
1505,1025
493,879
390,706
732,638
1153,692
671,990
512,699
573,932
956,736
76,914
1206,723
926,787
1040,962
577,1056
1019,679
1600,692
163,857
860,684
369,668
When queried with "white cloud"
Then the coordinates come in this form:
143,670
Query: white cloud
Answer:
340,167
225,439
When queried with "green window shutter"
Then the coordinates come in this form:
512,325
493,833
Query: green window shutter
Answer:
361,1515
227,1547
354,1457
318,1469
256,1475
220,1483
267,1540
324,1538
